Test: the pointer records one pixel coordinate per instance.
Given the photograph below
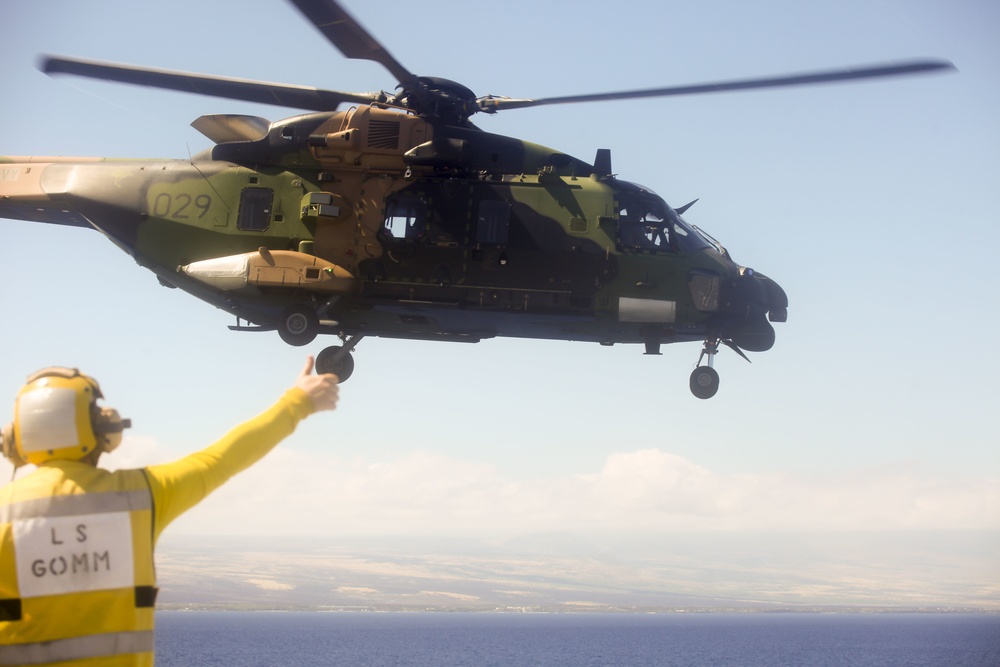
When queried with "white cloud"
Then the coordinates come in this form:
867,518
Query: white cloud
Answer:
294,491
647,490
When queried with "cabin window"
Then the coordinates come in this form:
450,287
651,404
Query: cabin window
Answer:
493,222
255,209
405,218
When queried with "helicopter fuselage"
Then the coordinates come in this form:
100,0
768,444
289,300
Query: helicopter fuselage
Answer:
374,222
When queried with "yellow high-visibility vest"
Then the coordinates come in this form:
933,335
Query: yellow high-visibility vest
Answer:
77,582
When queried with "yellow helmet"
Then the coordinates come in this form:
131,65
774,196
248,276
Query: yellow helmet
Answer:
56,416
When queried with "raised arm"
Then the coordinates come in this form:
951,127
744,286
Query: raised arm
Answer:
180,485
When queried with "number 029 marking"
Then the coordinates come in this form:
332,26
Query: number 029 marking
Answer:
181,207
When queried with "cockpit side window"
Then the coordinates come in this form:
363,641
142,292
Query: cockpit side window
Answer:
647,224
641,226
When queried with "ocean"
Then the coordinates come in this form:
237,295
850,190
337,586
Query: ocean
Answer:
449,639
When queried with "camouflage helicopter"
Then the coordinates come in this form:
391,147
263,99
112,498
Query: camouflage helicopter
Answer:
399,218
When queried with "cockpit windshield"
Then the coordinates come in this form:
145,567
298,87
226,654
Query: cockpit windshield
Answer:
647,223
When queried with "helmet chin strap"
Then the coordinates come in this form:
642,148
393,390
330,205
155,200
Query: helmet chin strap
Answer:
93,457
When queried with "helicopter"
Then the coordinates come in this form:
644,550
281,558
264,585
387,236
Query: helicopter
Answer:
397,217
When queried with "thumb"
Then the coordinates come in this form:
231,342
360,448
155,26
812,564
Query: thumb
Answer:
307,369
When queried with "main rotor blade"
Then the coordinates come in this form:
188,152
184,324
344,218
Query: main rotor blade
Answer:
296,97
803,79
344,32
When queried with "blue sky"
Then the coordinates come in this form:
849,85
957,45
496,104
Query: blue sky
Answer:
873,205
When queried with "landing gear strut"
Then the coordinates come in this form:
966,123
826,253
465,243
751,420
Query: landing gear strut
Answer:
337,359
704,379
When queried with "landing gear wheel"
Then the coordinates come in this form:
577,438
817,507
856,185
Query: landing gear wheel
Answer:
336,360
298,325
704,382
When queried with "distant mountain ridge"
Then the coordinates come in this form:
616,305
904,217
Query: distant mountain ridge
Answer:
567,572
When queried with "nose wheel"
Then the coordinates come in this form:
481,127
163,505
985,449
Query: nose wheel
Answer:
704,379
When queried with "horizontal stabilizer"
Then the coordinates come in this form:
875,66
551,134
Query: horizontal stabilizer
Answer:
225,128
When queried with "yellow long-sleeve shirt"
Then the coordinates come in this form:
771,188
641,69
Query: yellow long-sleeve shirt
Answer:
44,619
179,486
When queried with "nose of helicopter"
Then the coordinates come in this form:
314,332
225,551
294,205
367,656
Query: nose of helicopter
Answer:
754,301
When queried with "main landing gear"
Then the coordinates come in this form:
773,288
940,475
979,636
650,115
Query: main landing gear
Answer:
337,359
299,325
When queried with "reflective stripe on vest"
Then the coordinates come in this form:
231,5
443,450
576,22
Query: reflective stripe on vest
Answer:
90,503
77,648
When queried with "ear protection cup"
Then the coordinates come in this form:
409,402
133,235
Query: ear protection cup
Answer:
108,427
9,448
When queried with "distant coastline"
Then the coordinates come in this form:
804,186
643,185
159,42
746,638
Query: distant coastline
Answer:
566,573
577,609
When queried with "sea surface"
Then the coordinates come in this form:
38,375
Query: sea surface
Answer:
446,639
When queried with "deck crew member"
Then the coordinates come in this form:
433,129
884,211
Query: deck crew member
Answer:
77,582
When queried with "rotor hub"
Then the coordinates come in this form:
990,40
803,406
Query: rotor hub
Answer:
438,98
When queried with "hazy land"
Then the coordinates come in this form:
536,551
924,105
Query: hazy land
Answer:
564,572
